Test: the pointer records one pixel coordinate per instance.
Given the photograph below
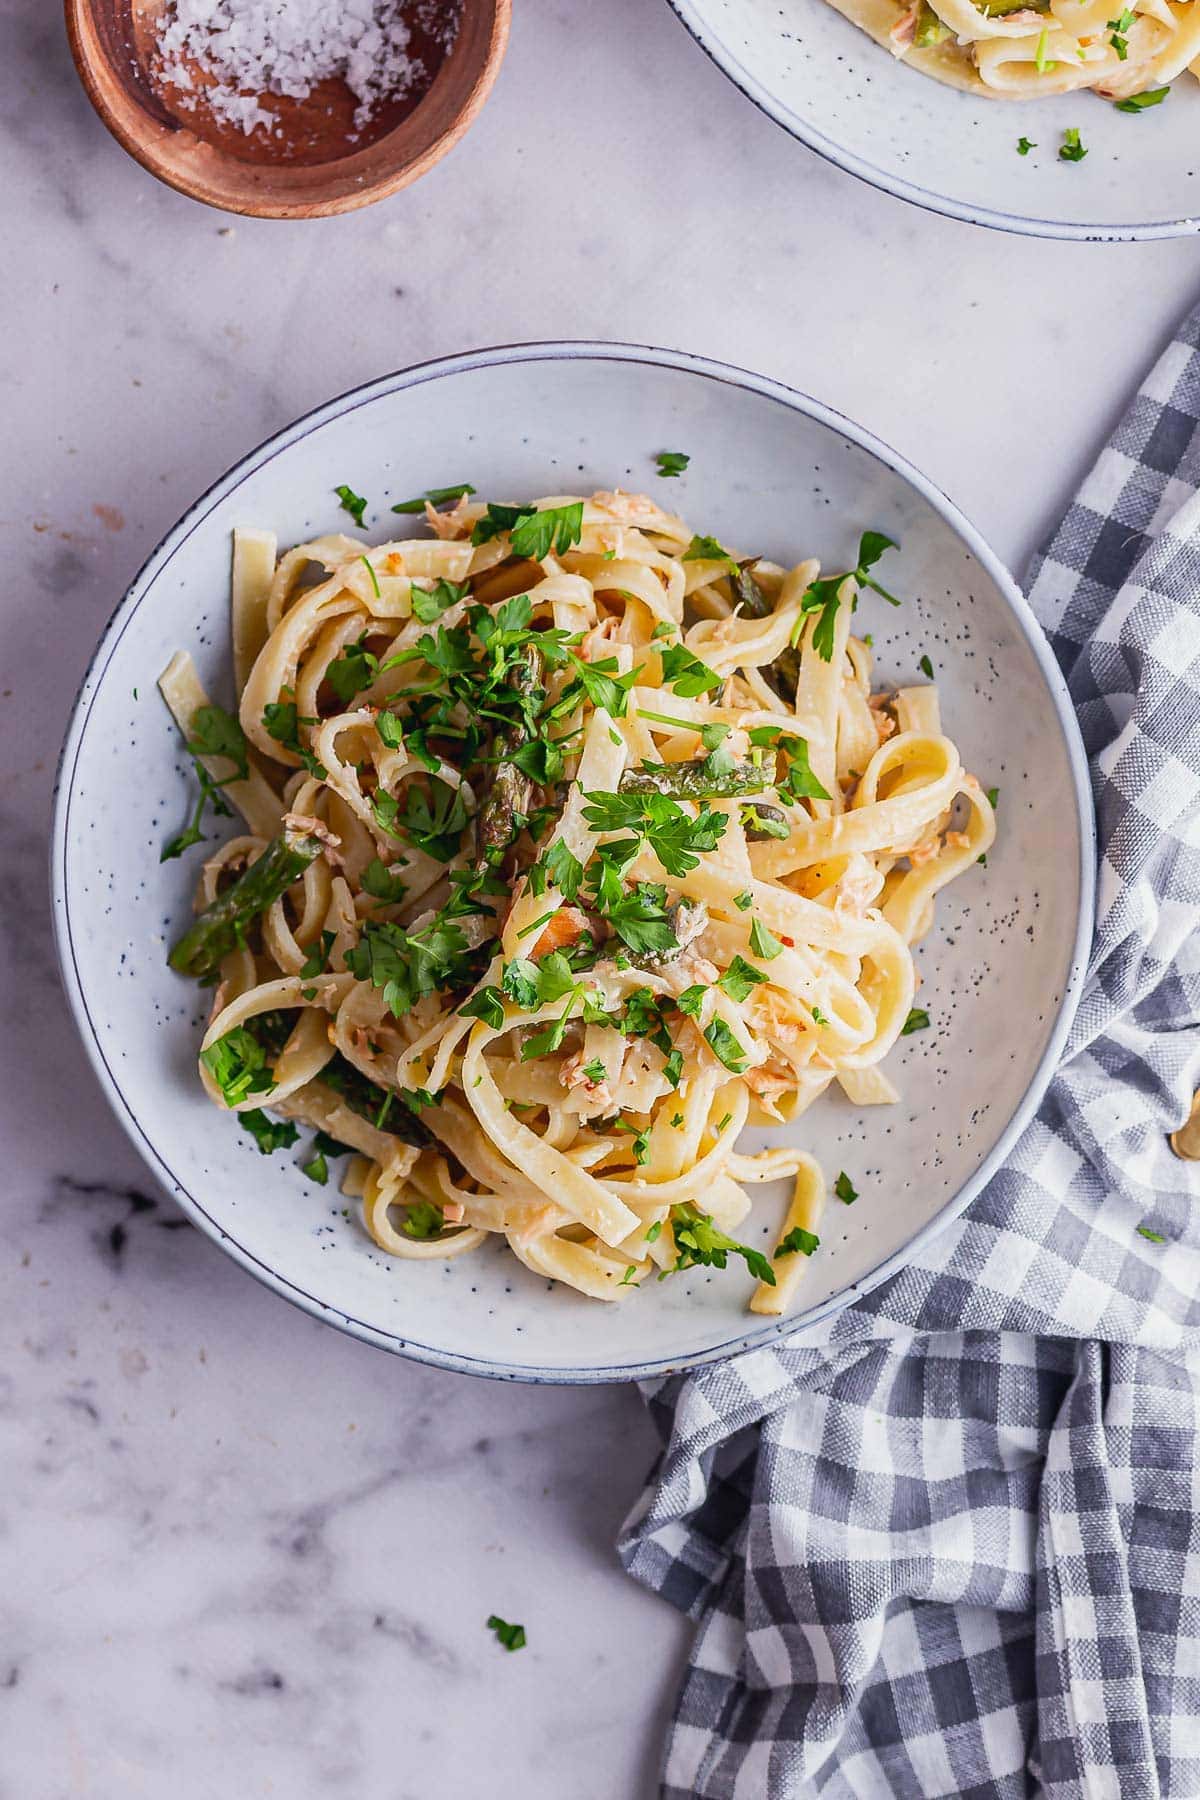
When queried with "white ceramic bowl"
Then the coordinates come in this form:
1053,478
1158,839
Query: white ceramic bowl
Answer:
771,470
830,85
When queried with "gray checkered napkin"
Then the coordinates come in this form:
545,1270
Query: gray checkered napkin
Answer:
949,1543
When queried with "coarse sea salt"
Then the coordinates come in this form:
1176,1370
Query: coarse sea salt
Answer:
253,48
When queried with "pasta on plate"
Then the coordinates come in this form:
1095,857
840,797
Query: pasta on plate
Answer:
1010,50
573,843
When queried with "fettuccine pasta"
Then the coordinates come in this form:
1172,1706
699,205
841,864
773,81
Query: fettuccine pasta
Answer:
572,844
1011,50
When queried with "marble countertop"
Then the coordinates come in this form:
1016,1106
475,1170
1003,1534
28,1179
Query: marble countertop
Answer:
243,1554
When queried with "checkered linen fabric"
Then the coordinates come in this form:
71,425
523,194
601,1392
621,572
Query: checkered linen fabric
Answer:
949,1542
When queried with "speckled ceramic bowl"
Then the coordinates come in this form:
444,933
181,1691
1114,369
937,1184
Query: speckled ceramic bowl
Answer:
829,84
769,469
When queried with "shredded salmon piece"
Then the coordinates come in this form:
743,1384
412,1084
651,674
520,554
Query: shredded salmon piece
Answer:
454,1212
628,509
452,524
920,854
904,31
566,927
885,726
958,840
393,563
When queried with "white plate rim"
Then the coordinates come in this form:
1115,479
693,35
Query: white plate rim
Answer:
718,52
759,1334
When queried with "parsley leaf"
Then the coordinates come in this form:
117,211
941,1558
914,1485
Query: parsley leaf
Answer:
214,732
422,1219
268,1134
429,604
698,1241
379,881
531,533
671,462
435,497
1136,103
707,549
926,668
1151,1237
237,1063
845,1189
1071,150
600,683
1024,146
798,1241
595,1071
640,920
355,669
739,978
824,595
764,943
511,1636
281,721
316,1168
564,869
743,901
686,674
917,1020
390,727
409,966
488,1005
725,1046
351,502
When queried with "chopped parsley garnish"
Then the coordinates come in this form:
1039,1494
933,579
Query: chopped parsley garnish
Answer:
764,943
1071,150
917,1020
531,533
317,960
511,1636
379,881
824,595
993,795
698,1241
677,839
268,1134
798,1242
1117,29
654,1232
370,568
739,979
595,1071
725,1046
435,497
1024,146
671,462
316,1168
1137,103
707,549
1151,1237
845,1189
686,674
428,604
351,502
237,1063
214,732
818,1017
422,1219
390,727
743,900
355,669
281,721
488,1005
407,966
926,668
1040,61
433,821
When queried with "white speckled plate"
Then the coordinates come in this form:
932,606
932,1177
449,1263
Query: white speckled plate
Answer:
824,80
770,470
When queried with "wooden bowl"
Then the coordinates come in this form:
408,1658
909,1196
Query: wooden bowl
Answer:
313,164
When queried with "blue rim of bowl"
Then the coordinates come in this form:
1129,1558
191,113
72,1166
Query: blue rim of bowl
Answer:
718,52
726,374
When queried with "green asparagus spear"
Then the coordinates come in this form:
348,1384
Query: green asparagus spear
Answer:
369,1101
222,926
784,673
512,790
695,781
